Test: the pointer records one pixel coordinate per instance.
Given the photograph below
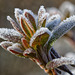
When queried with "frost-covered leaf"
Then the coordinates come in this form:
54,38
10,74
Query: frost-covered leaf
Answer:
31,17
40,37
42,21
42,16
24,24
15,25
55,55
29,53
10,35
59,62
25,43
53,21
6,44
18,12
62,29
16,49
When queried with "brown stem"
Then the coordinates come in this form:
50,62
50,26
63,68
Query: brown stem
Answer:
42,66
54,72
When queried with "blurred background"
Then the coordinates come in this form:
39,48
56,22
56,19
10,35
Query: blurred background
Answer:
12,65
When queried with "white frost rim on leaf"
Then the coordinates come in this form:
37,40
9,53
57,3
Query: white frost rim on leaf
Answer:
17,12
30,12
15,47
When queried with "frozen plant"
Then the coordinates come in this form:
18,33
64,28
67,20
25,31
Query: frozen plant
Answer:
33,37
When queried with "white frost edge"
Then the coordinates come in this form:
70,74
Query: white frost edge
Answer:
17,12
41,9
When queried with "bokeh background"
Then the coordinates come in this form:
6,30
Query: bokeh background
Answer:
12,65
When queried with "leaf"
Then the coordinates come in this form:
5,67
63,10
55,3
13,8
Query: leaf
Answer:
42,16
16,49
15,25
6,44
62,29
10,35
53,21
42,21
31,17
55,55
59,62
40,37
25,43
24,24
